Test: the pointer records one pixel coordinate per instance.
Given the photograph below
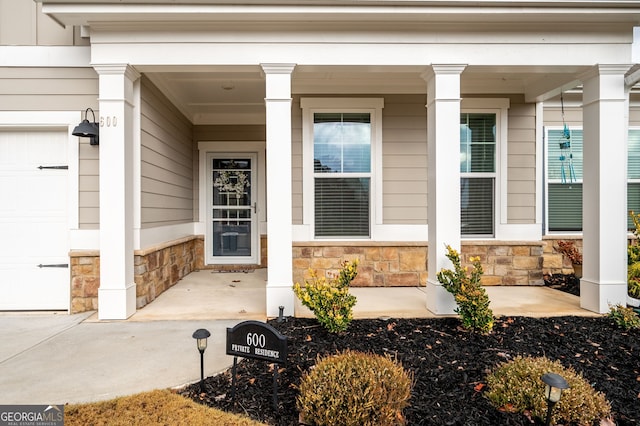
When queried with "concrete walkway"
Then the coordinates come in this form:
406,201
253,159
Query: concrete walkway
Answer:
55,358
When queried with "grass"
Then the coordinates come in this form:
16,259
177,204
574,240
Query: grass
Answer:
158,407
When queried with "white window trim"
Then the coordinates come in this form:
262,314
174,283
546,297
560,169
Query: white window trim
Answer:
374,107
500,107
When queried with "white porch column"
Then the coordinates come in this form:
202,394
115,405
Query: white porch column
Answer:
443,209
279,218
604,202
117,292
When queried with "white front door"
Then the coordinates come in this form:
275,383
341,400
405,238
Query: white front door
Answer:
34,261
232,231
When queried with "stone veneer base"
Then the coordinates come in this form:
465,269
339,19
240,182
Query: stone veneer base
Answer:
388,264
404,264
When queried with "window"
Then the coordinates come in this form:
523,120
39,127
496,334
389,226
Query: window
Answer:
342,173
633,174
564,178
477,173
341,140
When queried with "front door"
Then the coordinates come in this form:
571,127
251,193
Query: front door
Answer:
232,231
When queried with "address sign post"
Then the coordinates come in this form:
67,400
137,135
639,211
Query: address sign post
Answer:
256,340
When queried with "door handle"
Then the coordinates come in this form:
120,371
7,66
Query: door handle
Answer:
255,207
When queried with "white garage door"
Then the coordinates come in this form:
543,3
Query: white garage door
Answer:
34,270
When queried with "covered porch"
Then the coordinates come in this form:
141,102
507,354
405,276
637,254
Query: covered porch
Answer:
266,65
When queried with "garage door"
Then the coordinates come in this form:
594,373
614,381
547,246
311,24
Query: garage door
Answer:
34,270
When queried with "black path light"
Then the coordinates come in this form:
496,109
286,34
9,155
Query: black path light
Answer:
554,385
201,336
88,129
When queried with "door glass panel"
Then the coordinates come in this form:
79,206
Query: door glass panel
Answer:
232,206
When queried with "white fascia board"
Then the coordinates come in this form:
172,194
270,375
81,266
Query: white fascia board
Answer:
85,14
45,56
397,54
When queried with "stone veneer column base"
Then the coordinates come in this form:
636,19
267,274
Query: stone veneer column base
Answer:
85,280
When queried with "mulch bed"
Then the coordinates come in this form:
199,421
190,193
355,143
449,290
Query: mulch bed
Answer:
449,365
567,283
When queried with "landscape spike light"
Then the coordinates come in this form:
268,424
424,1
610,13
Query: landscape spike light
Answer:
201,335
554,385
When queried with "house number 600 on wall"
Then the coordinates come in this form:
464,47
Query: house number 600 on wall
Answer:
108,121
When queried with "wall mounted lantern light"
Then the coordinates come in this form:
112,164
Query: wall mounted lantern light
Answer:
554,385
88,129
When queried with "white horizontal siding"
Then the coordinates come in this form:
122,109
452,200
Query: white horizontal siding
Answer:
296,162
49,89
404,150
22,23
521,162
167,162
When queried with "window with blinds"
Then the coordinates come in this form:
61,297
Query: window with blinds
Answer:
564,179
342,174
478,173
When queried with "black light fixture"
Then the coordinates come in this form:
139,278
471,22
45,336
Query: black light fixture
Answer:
88,129
201,336
554,385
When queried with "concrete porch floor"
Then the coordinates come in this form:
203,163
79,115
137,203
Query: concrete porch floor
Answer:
213,295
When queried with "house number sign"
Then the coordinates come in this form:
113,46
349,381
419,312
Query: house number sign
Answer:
257,340
108,121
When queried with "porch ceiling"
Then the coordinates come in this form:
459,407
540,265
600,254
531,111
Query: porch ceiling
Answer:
235,95
216,94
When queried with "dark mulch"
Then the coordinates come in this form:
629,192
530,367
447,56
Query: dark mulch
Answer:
449,365
566,283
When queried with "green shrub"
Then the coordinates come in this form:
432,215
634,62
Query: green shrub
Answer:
329,299
471,297
633,259
633,286
354,388
624,317
516,386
